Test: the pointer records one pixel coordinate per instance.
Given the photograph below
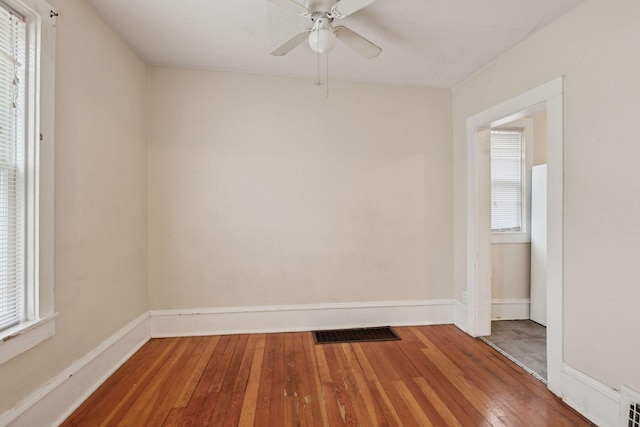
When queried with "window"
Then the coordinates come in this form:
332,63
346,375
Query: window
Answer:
27,66
12,168
507,180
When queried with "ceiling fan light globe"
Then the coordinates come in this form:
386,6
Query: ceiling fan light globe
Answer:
322,40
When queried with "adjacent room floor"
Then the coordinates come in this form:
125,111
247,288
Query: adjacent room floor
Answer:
524,342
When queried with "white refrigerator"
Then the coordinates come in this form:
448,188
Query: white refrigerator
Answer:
538,298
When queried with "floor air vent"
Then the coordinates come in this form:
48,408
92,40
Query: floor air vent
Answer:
355,335
630,407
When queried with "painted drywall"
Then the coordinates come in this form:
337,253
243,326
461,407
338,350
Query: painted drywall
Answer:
100,198
263,191
510,270
595,48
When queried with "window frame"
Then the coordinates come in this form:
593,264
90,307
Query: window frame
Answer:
523,236
39,129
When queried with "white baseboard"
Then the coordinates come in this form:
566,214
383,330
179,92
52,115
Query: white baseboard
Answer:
288,318
57,399
597,402
509,309
460,316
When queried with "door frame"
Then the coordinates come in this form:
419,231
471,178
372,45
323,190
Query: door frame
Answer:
478,238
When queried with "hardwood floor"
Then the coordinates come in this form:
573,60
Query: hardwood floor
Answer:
436,375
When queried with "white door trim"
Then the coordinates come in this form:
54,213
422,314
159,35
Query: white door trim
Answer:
478,282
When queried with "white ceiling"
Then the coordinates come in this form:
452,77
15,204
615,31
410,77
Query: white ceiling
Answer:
424,42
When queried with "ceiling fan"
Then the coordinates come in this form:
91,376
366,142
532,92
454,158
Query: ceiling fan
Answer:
322,34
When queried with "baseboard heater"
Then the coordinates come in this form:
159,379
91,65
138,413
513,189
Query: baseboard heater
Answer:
630,409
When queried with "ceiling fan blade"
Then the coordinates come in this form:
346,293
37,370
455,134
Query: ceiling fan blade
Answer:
294,41
291,5
358,43
347,7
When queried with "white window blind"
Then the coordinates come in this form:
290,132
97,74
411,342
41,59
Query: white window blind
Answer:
12,166
507,170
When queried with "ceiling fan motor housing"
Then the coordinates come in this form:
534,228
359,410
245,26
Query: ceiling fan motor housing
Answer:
322,37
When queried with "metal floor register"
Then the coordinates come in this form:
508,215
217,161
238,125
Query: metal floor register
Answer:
384,333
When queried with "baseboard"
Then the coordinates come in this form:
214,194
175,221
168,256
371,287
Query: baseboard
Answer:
509,309
57,399
289,318
501,309
597,402
460,316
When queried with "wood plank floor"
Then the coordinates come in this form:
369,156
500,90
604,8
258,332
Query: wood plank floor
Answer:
436,375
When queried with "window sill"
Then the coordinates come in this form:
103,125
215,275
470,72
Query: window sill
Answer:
20,338
510,238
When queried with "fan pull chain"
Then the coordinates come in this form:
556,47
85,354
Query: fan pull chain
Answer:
327,75
318,82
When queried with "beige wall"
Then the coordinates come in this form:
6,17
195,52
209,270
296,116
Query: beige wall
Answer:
100,204
510,270
263,191
596,49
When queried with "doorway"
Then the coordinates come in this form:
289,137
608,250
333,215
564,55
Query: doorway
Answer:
547,97
518,158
